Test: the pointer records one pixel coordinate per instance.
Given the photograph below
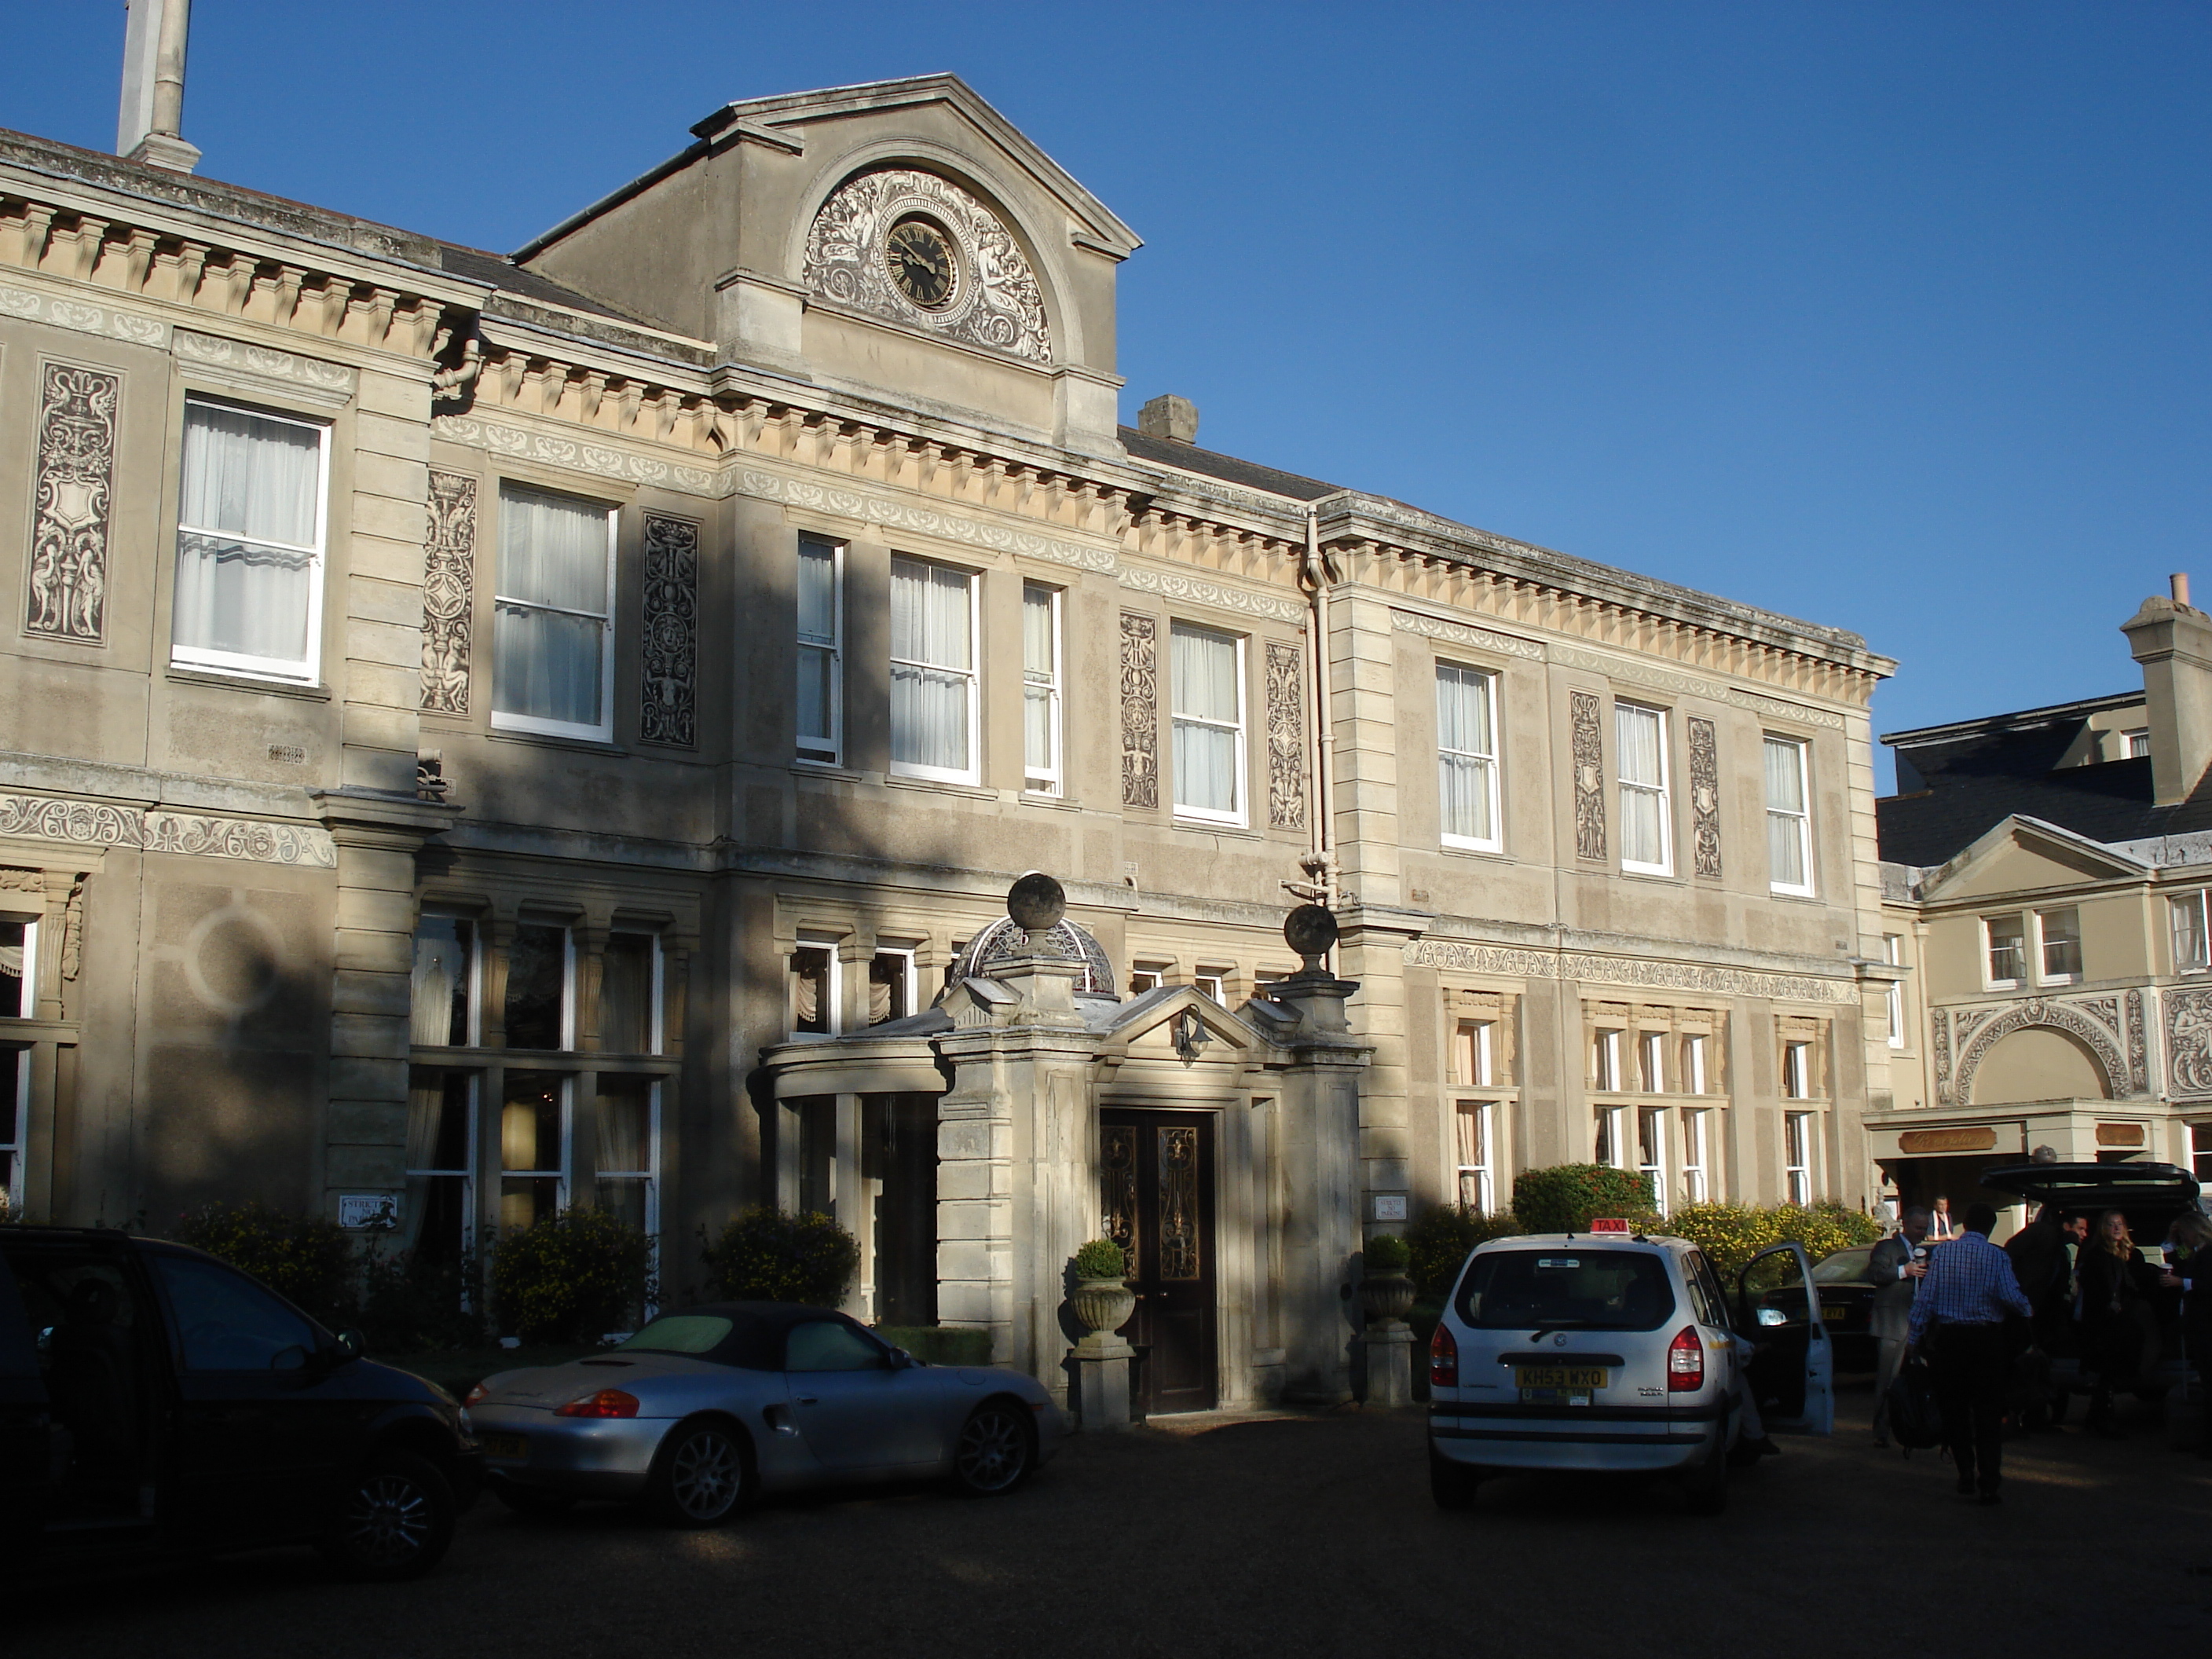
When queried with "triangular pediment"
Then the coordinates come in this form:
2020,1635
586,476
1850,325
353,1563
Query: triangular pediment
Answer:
1148,1026
2026,855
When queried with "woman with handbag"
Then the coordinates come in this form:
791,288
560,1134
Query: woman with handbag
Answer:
2115,1313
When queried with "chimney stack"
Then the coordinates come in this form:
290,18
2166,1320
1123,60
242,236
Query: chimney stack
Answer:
150,125
1169,416
2172,640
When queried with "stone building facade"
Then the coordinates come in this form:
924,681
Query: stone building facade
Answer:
470,723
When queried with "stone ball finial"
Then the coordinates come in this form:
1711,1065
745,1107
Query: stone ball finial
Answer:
1310,930
1036,902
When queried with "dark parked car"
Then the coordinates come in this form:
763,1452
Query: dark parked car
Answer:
155,1403
1846,1293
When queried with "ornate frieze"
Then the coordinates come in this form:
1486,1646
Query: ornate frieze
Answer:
1589,777
2188,1041
1141,711
672,631
449,564
899,516
992,300
99,824
1480,638
576,455
103,320
1704,798
1286,736
71,503
1192,590
2091,1021
264,362
1590,968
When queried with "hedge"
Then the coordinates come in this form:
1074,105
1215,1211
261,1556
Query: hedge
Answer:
1564,1197
571,1278
307,1259
939,1345
769,1255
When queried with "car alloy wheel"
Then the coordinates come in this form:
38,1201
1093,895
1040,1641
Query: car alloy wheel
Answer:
994,1451
395,1522
701,1478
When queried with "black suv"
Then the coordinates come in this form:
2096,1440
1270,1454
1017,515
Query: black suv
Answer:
155,1401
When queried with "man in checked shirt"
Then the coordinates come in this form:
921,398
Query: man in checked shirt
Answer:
1968,1290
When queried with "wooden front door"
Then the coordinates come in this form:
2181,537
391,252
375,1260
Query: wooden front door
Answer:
1158,1172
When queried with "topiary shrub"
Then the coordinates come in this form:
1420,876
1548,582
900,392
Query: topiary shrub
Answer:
1102,1258
572,1277
307,1259
1563,1198
1387,1254
769,1256
1441,1236
1731,1234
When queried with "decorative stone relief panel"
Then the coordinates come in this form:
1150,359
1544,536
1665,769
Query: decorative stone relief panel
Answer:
1589,777
1704,798
449,566
599,459
1286,736
2188,1041
2138,1048
84,318
1940,1043
70,503
672,631
995,302
98,824
1592,969
1141,711
899,516
2075,1020
1174,585
1482,639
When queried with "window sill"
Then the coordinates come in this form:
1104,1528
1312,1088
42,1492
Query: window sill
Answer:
1802,894
1208,827
832,771
1645,873
180,675
1058,802
940,786
1469,849
556,740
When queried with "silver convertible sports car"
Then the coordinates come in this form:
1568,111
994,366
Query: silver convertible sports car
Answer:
702,1408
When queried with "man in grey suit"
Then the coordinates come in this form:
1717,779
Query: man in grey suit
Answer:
1897,1275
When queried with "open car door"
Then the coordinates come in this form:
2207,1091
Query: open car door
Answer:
1793,1374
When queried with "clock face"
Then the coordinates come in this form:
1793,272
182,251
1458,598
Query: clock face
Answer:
922,267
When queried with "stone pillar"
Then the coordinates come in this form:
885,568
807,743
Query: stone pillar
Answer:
1101,1390
1387,1345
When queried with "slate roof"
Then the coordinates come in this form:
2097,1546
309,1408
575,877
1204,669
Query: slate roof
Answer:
1249,474
1980,772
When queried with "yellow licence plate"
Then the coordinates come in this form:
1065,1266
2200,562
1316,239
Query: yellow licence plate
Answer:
1834,1313
1559,1376
505,1445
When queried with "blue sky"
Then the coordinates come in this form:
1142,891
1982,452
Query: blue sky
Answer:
1891,316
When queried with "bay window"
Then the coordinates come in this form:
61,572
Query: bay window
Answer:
1789,817
1041,688
1208,670
552,628
1467,756
820,651
250,513
933,692
1640,736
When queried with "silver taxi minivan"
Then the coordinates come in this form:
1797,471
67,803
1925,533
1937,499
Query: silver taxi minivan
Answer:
1616,1351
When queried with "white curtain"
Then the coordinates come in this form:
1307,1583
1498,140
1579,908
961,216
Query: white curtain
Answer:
1207,713
441,965
1785,810
1465,750
625,1125
549,634
247,534
932,657
1642,829
817,636
1041,678
426,1108
12,966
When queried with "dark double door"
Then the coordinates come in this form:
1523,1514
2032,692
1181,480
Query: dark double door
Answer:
1157,1172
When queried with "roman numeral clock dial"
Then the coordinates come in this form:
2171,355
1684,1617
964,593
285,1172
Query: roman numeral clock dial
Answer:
921,263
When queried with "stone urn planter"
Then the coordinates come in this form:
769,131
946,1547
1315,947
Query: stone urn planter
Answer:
1104,1304
1386,1295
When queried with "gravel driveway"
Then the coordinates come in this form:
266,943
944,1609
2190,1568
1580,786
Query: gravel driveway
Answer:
1267,1537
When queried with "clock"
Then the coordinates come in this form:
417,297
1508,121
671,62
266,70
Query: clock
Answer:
922,267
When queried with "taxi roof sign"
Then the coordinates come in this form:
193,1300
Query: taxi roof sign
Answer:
1609,1223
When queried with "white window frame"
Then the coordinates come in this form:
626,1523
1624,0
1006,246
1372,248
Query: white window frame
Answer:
1152,976
1611,1122
473,1036
1495,841
308,673
974,673
1651,1062
656,1035
833,987
2200,1150
534,724
532,1061
1050,780
1657,1171
18,1131
1990,979
1797,1155
906,953
1661,791
1176,720
468,1176
650,1175
1696,1184
562,1196
1892,952
1607,1062
829,745
2041,945
1475,1054
1211,982
2180,906
1802,818
30,992
1486,1119
1797,1069
1694,1072
2135,745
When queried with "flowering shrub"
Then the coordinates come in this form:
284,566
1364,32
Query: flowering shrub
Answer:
770,1255
1731,1234
1563,1198
308,1260
572,1277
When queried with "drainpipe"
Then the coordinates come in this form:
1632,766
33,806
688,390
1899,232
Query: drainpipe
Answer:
1314,576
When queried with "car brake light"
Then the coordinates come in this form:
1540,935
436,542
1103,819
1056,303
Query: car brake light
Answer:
1443,1359
475,1394
1685,1361
607,1402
